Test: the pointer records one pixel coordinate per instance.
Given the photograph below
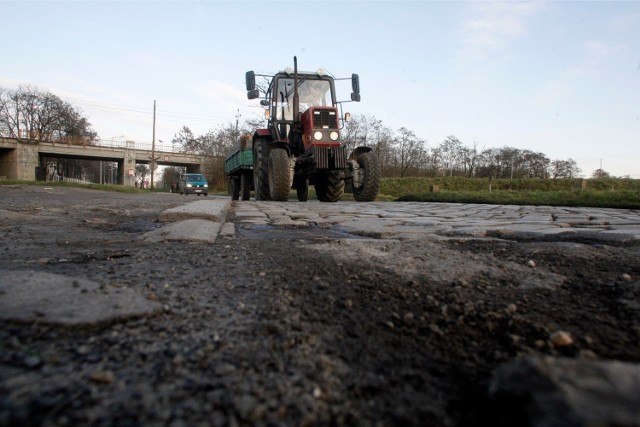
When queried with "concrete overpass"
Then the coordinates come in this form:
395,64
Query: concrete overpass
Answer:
19,158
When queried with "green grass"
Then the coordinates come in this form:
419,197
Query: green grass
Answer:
117,188
586,198
609,193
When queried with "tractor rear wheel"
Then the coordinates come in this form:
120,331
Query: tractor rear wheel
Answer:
245,184
330,186
279,178
371,183
261,169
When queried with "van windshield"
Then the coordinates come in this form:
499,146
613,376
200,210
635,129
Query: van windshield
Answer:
193,178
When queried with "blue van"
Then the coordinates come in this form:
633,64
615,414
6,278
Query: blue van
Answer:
193,183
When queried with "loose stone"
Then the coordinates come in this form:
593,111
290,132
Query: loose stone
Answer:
561,339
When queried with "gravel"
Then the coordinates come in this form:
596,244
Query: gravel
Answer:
282,331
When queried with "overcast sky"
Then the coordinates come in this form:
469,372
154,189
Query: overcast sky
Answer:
561,78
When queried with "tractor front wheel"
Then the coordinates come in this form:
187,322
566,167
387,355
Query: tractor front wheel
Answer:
370,167
330,186
279,178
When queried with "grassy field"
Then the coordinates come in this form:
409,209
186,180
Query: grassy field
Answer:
612,193
118,188
609,193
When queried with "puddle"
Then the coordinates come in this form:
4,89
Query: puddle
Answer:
268,232
138,226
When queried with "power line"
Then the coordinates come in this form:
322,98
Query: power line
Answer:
107,107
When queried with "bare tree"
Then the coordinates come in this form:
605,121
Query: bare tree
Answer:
32,113
141,172
411,152
600,173
471,158
452,153
564,169
185,140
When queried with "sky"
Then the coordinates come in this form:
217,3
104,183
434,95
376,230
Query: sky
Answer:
559,77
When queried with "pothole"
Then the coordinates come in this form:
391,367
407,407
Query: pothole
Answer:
268,232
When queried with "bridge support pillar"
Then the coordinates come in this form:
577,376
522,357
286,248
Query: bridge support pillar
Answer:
127,166
27,160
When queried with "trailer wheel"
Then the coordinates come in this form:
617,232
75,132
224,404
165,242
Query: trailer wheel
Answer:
261,169
235,188
279,184
245,184
302,190
330,186
371,183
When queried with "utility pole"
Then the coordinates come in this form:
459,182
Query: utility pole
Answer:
237,117
600,168
153,145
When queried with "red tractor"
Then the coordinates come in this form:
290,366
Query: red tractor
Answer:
301,144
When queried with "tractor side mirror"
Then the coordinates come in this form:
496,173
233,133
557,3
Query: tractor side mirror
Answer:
355,86
252,92
251,80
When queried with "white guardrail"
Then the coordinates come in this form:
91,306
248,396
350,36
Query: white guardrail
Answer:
99,142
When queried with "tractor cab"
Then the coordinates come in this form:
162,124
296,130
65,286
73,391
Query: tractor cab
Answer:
302,108
286,110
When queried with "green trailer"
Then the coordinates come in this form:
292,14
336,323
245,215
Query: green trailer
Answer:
238,166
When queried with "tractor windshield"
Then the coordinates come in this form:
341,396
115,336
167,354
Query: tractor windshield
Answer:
311,93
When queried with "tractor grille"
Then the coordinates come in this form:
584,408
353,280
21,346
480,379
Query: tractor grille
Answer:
330,157
325,119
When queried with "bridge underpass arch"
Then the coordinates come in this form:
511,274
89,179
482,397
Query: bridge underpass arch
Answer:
21,159
101,170
8,163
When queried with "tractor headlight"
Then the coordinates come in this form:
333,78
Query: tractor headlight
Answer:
317,135
334,135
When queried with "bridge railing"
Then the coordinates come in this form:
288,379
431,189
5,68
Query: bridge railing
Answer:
107,143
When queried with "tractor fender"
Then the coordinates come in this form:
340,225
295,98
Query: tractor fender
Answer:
358,151
261,134
280,144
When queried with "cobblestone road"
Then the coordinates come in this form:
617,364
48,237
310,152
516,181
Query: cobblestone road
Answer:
443,220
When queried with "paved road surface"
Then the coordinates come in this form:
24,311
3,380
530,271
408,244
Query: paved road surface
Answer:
159,309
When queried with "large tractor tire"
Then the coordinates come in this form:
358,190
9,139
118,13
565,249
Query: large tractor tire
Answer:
245,184
279,177
330,187
235,188
371,183
261,169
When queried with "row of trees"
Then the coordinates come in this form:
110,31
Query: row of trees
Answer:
32,113
402,153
